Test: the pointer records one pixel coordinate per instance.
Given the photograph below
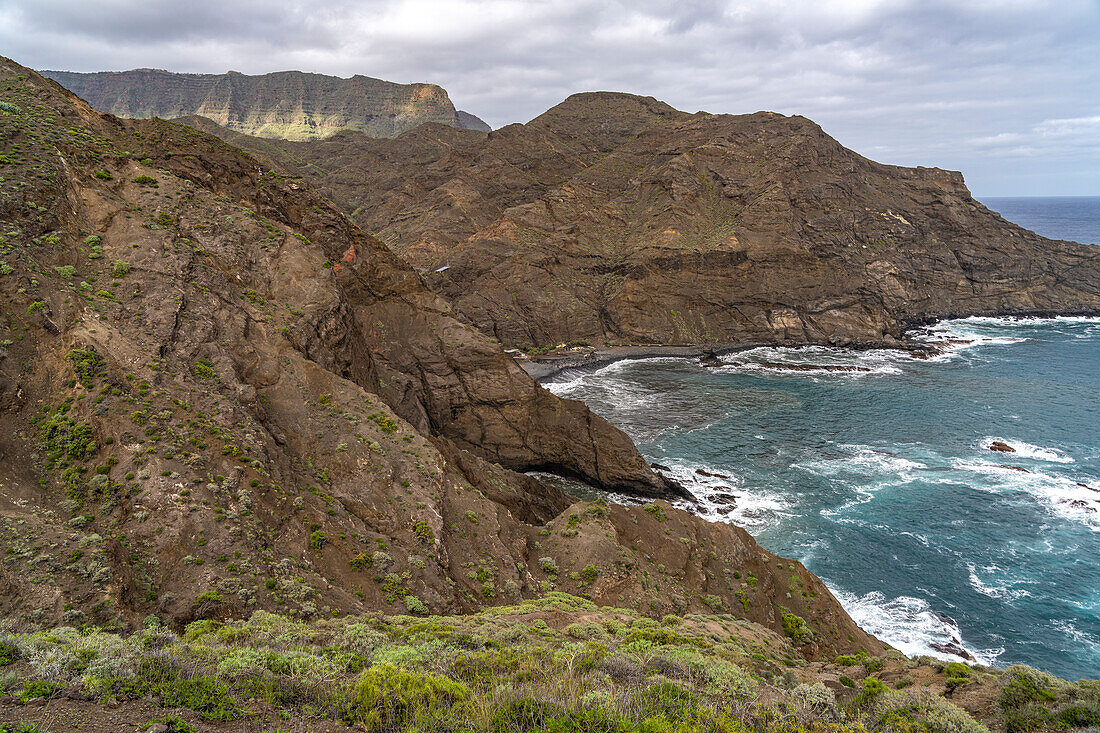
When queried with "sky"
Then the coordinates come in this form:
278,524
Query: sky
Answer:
1007,91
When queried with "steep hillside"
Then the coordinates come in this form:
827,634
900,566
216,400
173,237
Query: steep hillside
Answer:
617,219
289,104
218,396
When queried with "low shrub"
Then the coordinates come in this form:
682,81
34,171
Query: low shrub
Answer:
388,698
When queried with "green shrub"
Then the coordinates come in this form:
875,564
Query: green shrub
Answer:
86,364
204,369
120,268
207,696
1021,685
1080,716
163,219
39,688
386,423
1029,717
423,532
103,175
523,714
316,540
795,627
387,698
920,711
669,699
847,681
873,689
62,436
872,664
144,180
10,108
9,652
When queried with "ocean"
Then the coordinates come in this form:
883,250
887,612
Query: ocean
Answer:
881,479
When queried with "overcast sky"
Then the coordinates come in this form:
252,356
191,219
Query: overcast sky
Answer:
1007,91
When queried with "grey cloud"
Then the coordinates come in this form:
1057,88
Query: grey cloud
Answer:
910,82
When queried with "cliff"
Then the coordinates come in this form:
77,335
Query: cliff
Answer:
289,104
618,219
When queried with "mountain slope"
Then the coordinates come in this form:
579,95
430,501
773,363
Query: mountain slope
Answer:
218,396
289,104
614,218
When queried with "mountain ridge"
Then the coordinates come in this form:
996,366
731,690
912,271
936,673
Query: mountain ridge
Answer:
615,219
291,104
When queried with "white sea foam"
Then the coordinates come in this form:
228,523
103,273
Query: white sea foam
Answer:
722,497
1080,638
959,335
863,469
814,361
1064,496
1027,450
1000,589
910,625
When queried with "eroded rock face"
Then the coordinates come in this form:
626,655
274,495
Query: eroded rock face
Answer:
290,105
614,218
219,395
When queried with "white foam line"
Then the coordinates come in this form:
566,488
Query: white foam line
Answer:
1063,496
911,626
1027,450
722,497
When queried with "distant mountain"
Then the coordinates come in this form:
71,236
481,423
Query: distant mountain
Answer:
613,218
290,105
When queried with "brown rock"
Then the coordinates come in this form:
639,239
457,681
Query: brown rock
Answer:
615,218
319,416
1001,447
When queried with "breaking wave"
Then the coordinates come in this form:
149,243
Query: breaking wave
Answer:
910,625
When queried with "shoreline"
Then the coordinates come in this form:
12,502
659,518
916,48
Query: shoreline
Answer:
589,358
544,368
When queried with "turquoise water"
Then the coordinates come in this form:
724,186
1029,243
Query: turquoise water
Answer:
881,481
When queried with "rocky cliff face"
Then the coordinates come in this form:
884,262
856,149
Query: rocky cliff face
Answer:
219,395
614,218
290,104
